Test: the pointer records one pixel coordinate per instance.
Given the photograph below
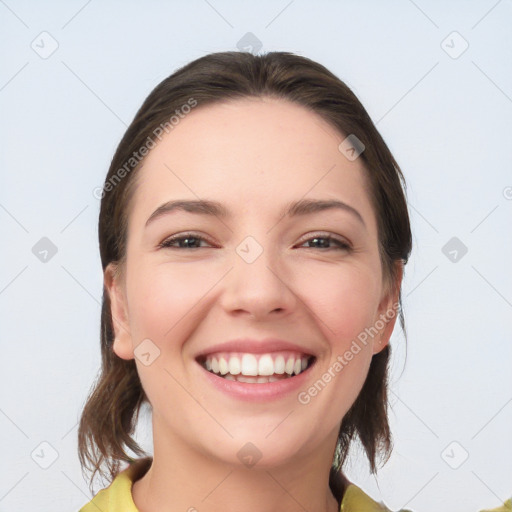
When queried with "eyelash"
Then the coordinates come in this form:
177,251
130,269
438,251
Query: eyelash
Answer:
166,244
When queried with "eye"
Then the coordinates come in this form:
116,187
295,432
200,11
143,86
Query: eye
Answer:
189,239
341,245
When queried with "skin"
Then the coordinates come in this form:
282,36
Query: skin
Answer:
254,156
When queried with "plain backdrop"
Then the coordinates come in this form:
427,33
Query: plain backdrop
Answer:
436,78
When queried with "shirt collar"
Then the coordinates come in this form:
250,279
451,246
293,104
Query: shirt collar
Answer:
120,492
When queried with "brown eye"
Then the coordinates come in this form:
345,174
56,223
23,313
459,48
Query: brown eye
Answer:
325,243
190,241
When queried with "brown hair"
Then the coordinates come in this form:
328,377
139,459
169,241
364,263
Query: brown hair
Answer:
112,408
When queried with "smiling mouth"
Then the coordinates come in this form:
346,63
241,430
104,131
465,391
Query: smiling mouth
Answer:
257,368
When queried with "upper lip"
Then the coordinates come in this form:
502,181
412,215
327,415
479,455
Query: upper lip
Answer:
253,346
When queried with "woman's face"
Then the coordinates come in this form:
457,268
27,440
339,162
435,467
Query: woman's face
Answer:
258,275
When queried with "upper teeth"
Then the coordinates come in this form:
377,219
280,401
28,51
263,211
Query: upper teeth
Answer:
257,364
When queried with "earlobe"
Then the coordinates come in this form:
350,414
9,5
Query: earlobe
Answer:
388,311
382,339
123,348
123,345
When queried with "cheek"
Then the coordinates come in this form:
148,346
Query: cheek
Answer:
344,305
164,300
344,301
164,308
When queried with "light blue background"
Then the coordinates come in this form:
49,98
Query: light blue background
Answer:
447,121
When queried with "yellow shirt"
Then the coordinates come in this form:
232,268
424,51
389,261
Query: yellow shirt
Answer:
117,497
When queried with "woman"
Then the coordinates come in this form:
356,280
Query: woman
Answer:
253,235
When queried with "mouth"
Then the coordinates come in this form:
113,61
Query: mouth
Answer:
256,368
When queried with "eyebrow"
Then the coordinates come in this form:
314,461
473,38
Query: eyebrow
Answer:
214,208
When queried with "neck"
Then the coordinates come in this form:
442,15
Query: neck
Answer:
183,479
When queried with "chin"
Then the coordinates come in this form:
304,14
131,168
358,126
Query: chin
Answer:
251,448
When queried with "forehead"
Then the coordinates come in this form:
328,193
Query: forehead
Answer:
251,153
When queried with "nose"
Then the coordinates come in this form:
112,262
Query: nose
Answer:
258,288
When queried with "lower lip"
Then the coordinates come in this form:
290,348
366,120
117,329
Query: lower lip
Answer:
258,391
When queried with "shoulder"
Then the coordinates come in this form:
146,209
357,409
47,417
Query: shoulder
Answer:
356,500
506,507
117,497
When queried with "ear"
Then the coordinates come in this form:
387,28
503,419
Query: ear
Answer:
114,284
388,310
